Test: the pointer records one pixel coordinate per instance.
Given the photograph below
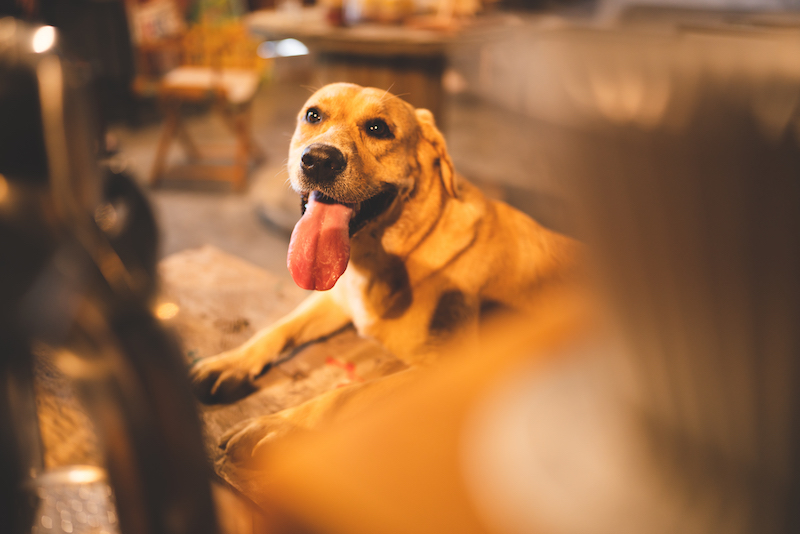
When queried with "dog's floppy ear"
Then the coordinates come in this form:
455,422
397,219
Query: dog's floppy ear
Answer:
434,137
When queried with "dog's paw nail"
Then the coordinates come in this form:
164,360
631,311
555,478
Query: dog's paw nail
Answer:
203,385
261,445
230,437
215,386
228,442
264,370
249,442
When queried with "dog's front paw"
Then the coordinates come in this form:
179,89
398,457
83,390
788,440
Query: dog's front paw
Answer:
244,443
224,378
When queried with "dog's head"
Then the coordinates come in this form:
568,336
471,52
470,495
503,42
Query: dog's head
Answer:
355,152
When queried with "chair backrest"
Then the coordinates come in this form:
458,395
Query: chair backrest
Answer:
225,45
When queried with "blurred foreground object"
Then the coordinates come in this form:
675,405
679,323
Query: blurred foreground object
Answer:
76,282
670,405
688,192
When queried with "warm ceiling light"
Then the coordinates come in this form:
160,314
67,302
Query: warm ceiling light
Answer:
3,188
167,310
43,39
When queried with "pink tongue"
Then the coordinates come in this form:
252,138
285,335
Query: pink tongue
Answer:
320,246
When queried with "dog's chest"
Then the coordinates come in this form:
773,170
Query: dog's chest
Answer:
377,295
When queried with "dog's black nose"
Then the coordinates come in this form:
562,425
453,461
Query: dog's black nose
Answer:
322,163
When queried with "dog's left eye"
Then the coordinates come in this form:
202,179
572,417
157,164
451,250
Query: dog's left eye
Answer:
313,116
378,128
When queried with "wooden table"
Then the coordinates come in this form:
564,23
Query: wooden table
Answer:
408,61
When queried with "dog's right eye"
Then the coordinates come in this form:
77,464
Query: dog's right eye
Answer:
313,116
378,129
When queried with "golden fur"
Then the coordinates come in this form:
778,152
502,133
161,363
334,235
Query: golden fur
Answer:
421,273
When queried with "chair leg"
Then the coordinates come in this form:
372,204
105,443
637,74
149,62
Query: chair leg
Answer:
188,144
255,151
239,122
242,162
167,133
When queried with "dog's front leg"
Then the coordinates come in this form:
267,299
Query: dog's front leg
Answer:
231,375
245,443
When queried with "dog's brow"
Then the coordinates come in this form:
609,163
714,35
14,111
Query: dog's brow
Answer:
377,109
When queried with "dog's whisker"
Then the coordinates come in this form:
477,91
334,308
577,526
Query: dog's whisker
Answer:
311,88
398,96
386,93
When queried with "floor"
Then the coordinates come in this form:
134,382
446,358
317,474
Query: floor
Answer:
490,146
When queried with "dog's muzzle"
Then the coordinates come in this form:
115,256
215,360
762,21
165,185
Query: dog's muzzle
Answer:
321,164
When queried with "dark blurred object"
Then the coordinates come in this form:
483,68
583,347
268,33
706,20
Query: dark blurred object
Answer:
252,5
95,33
78,278
544,5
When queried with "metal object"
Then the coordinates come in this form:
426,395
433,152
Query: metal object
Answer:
75,500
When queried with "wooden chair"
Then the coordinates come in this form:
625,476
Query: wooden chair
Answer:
158,27
219,64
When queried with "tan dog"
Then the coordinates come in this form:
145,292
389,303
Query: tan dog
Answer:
421,253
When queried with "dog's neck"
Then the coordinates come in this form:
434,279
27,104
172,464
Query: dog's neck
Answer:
410,243
411,217
418,230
